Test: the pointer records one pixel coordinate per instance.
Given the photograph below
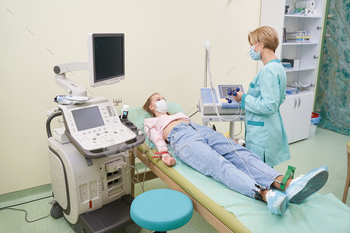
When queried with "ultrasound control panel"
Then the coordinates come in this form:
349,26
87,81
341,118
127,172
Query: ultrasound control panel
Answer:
96,125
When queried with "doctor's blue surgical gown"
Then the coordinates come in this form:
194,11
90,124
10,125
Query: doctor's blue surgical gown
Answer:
265,134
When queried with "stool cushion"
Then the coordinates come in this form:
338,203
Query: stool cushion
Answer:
348,145
161,210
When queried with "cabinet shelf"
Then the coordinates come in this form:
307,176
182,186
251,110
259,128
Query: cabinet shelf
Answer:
303,16
300,43
301,93
299,69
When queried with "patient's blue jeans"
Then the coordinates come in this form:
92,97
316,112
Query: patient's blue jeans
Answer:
209,152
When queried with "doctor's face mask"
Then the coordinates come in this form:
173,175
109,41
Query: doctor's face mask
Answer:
255,55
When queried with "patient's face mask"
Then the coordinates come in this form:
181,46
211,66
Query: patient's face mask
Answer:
255,55
162,106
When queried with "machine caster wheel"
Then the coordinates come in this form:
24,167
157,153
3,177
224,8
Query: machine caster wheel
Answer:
132,228
56,211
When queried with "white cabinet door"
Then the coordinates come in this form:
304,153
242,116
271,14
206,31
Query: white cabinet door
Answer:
287,110
302,116
296,114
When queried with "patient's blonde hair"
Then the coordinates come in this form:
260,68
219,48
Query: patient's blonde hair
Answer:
268,36
147,104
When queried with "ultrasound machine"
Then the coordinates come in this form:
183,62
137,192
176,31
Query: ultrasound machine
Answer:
89,157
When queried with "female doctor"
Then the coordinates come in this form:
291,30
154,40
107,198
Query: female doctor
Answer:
265,134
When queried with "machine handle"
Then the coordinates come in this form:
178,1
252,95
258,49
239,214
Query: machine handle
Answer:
295,103
111,150
299,102
48,123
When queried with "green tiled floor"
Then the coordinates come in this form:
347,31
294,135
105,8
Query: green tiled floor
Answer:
325,148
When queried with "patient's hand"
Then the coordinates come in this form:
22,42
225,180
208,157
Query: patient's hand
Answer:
168,160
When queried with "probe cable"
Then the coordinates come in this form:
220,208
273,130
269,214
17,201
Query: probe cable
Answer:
10,207
137,180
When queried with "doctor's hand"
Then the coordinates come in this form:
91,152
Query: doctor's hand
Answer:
168,160
238,97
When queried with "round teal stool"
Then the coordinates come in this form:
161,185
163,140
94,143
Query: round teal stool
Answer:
161,210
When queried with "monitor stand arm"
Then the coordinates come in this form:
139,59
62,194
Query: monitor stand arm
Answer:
71,87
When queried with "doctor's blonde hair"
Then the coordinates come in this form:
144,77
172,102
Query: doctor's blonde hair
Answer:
268,36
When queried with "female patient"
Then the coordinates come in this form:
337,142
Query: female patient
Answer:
212,154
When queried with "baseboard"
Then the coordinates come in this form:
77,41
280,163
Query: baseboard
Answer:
25,195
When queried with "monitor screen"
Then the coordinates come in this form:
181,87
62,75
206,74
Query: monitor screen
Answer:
107,57
87,118
223,89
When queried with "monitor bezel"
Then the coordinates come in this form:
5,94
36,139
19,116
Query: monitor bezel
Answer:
91,60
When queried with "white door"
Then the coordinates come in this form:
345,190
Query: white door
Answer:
287,110
303,116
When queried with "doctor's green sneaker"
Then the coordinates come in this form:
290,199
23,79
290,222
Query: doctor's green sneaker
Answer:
302,188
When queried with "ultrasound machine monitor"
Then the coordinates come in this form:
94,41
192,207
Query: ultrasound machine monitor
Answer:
106,53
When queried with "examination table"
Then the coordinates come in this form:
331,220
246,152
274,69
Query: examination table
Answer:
229,211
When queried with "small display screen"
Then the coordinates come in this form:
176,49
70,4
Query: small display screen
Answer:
108,56
223,90
87,118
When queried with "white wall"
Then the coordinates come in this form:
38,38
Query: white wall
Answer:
164,53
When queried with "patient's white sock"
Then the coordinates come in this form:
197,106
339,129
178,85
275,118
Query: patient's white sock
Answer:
269,194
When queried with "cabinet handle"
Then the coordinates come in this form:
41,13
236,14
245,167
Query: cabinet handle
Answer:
315,57
295,103
299,102
319,28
